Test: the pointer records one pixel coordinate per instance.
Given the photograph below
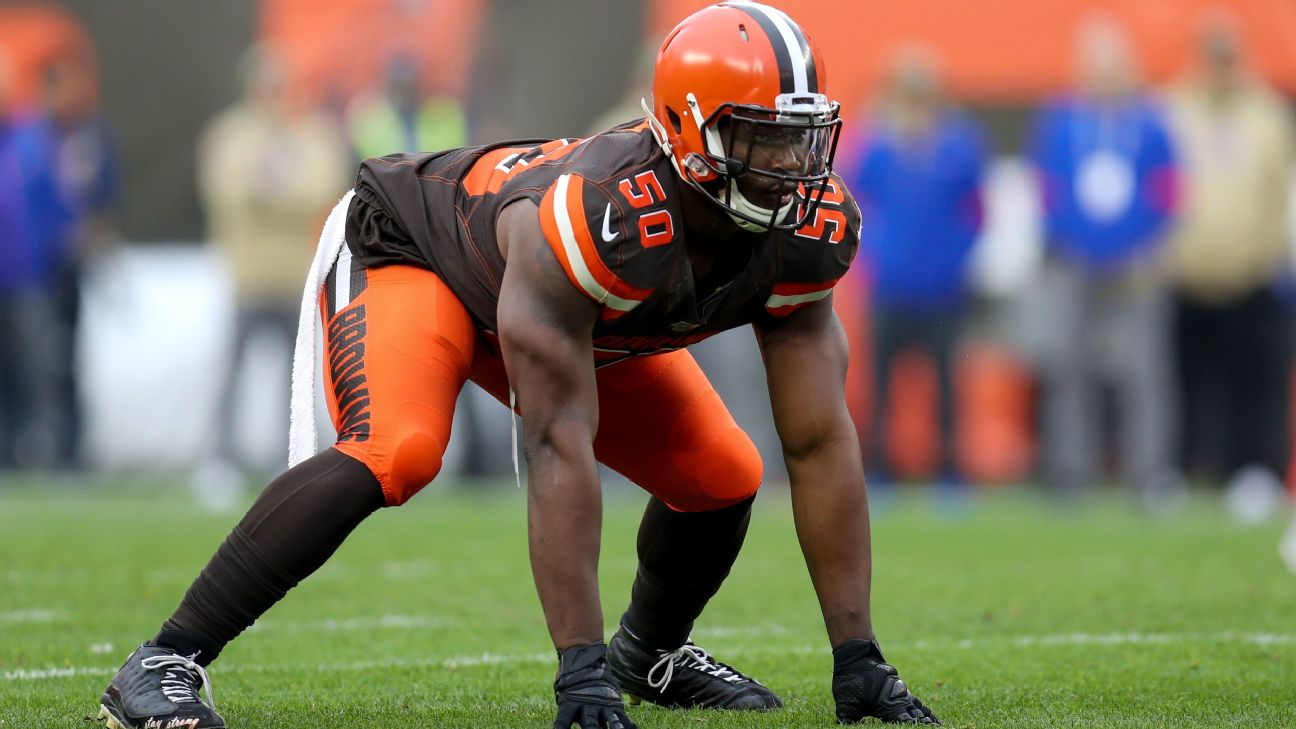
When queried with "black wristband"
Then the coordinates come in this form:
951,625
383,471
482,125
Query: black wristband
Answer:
854,652
580,657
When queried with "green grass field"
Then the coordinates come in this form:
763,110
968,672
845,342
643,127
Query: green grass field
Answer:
1019,614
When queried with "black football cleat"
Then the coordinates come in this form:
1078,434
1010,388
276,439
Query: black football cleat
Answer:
684,678
157,688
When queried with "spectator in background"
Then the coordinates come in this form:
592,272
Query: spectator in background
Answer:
917,179
402,118
30,212
86,170
1230,248
268,170
1106,173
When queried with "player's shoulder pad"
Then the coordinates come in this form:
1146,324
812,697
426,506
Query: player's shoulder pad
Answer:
609,222
819,253
836,219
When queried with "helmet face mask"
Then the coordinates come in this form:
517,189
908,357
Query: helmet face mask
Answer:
762,159
738,106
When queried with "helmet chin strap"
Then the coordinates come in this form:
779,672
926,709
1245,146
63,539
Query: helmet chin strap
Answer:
740,203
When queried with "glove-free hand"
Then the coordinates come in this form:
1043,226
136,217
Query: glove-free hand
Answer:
864,684
588,695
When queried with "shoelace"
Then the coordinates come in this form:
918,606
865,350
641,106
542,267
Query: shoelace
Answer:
689,655
178,681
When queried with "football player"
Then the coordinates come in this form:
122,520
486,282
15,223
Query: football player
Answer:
566,277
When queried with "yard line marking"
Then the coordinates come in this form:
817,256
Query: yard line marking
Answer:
31,615
495,659
1128,638
490,659
36,674
351,625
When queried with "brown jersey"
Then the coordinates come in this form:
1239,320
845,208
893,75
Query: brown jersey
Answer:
610,209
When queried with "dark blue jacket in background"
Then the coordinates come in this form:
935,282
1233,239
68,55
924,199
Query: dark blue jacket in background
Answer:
33,217
88,180
1067,133
921,205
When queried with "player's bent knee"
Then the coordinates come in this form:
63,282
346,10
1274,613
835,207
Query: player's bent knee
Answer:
415,461
727,471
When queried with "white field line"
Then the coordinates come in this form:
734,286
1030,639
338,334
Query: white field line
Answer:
352,625
31,615
394,570
495,659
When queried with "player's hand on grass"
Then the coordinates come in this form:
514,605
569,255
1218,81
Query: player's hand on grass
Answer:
588,696
864,684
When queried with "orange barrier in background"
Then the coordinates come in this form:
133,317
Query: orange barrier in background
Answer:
993,416
340,47
1011,50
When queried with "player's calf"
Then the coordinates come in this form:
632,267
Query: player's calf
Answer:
157,688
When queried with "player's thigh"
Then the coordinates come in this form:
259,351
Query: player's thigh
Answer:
662,425
398,347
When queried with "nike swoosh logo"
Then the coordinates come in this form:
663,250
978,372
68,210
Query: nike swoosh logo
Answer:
608,235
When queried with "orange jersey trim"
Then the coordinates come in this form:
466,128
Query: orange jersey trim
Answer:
497,166
562,218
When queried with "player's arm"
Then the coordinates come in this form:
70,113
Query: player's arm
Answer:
805,361
805,357
545,328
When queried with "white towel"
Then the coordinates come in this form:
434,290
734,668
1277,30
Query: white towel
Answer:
302,441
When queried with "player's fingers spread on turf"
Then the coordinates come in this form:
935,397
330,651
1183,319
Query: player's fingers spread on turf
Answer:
566,715
919,717
909,715
603,718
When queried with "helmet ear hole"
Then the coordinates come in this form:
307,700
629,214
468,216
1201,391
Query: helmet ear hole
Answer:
674,120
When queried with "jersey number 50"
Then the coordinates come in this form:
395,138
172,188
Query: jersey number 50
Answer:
655,228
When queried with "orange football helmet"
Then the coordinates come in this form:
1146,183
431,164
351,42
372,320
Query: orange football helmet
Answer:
739,105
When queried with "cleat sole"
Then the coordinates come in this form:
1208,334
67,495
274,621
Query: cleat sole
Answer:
633,700
112,722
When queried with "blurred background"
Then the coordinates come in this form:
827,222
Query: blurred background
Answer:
1075,272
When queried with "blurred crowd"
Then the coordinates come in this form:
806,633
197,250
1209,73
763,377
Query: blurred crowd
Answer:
1151,345
1157,326
59,185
